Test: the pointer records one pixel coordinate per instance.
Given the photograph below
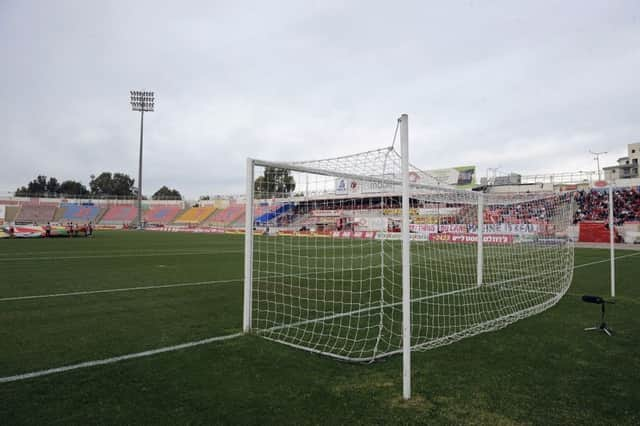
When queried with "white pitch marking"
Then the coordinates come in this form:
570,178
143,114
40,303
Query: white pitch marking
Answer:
194,253
604,260
113,360
87,364
139,250
117,290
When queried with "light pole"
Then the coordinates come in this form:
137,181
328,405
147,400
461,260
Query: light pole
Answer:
597,158
141,101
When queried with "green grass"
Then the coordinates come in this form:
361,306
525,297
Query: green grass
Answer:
541,370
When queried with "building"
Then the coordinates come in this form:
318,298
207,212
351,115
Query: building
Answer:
627,167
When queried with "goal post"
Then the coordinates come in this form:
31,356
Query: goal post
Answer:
406,260
366,256
248,249
612,238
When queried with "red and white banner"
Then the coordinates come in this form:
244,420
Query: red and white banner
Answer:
471,238
326,213
507,228
190,230
364,235
432,227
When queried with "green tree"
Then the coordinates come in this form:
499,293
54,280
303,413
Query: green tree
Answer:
36,187
122,184
52,186
71,187
101,184
275,182
21,192
106,183
165,193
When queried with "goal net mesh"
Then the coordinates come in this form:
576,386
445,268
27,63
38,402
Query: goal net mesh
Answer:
327,265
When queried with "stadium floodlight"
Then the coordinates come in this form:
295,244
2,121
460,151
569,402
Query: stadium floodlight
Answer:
141,101
359,270
597,159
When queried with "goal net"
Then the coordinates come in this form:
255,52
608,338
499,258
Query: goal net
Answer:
324,262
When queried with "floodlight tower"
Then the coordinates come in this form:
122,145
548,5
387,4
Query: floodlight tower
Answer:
141,101
597,158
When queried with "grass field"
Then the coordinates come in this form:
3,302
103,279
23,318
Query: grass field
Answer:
126,292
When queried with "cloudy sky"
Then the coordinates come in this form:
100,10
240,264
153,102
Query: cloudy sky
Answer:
528,87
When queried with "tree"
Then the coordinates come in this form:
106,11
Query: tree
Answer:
275,182
22,192
52,186
101,184
39,186
71,187
118,184
165,193
122,184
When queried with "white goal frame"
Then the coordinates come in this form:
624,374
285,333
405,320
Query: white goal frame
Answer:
406,187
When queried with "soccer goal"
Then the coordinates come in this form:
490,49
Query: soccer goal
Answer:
366,256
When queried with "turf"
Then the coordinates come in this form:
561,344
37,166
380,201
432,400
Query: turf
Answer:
541,370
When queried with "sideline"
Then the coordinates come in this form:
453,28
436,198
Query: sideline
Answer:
113,360
608,259
106,256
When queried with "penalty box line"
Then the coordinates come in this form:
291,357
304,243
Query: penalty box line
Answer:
118,290
151,287
115,359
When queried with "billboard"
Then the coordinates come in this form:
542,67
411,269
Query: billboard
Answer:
462,177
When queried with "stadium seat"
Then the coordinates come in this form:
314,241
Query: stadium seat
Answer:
195,215
119,214
35,213
161,214
226,217
79,213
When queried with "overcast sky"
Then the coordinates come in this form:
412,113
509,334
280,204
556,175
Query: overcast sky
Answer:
525,86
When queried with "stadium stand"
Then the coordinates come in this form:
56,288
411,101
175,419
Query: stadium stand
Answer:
196,215
119,214
595,232
35,213
593,205
226,217
79,213
161,214
10,213
258,211
273,214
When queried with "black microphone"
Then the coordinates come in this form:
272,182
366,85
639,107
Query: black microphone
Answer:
593,299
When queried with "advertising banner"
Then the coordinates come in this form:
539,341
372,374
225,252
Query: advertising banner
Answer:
507,228
370,223
471,238
326,213
431,227
461,177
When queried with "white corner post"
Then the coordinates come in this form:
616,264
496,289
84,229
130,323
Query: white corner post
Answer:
406,261
248,251
611,242
480,265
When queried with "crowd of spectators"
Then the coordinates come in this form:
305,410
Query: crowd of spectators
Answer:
594,205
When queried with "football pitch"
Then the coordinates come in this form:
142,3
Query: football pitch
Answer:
65,302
